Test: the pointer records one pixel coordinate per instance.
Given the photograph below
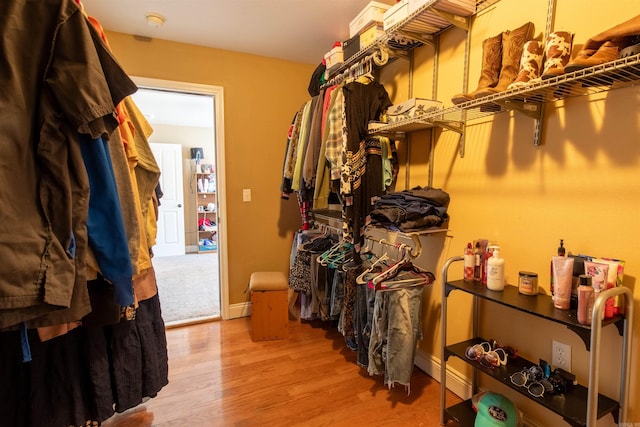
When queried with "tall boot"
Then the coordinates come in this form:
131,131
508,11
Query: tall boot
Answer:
530,64
512,47
557,53
491,63
607,45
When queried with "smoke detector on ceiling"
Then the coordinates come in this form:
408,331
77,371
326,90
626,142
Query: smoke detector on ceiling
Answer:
155,20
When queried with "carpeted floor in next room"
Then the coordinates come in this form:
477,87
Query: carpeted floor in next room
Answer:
188,286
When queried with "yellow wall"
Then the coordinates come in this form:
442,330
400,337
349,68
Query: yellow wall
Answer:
581,185
261,96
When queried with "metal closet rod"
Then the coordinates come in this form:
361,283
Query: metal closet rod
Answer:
414,252
362,66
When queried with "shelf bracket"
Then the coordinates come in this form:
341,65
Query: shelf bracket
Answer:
461,145
462,139
455,20
422,38
398,53
392,135
585,334
534,110
530,109
537,136
451,125
447,289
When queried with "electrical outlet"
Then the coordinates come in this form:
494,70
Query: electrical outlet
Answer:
246,195
561,356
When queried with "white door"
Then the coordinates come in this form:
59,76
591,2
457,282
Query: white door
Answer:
170,238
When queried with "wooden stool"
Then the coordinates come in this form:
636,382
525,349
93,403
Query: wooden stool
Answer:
269,306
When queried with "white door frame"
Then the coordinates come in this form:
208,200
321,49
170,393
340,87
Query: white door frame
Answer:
218,95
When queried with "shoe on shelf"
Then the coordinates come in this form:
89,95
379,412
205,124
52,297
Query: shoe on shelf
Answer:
530,64
557,53
607,52
512,47
490,73
606,46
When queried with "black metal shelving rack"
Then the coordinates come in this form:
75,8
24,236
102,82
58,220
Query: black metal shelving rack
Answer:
581,405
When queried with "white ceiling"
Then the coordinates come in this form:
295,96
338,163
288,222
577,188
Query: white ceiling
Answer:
295,30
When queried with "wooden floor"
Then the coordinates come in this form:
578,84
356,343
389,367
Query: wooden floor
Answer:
219,377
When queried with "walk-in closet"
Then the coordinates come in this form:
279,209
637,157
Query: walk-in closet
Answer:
388,212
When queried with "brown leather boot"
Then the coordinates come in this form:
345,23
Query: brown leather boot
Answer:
512,47
491,63
625,29
557,53
620,36
530,64
607,52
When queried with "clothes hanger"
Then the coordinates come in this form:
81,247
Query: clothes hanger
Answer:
361,280
393,269
336,254
365,71
423,279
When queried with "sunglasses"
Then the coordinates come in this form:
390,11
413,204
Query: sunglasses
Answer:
486,355
532,379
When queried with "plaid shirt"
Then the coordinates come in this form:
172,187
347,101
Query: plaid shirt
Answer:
335,134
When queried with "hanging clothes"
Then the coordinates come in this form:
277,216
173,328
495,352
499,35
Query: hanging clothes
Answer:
303,143
64,95
395,322
396,329
330,157
322,185
312,151
40,269
308,277
361,173
293,137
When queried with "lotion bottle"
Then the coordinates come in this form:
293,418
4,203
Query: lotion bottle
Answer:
495,271
561,252
585,300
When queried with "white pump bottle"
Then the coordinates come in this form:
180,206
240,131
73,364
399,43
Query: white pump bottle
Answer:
495,271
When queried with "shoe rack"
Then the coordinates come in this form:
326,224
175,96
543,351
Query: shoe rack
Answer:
529,100
580,405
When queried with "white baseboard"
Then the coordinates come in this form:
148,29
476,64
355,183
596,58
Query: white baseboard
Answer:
456,382
240,310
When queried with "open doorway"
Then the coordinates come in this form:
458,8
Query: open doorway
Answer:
187,140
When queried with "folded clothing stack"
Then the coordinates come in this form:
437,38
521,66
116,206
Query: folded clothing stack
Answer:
411,210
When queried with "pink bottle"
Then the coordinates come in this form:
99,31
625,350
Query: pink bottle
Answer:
585,300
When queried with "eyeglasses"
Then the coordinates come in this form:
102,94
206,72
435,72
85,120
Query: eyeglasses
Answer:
486,355
532,379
